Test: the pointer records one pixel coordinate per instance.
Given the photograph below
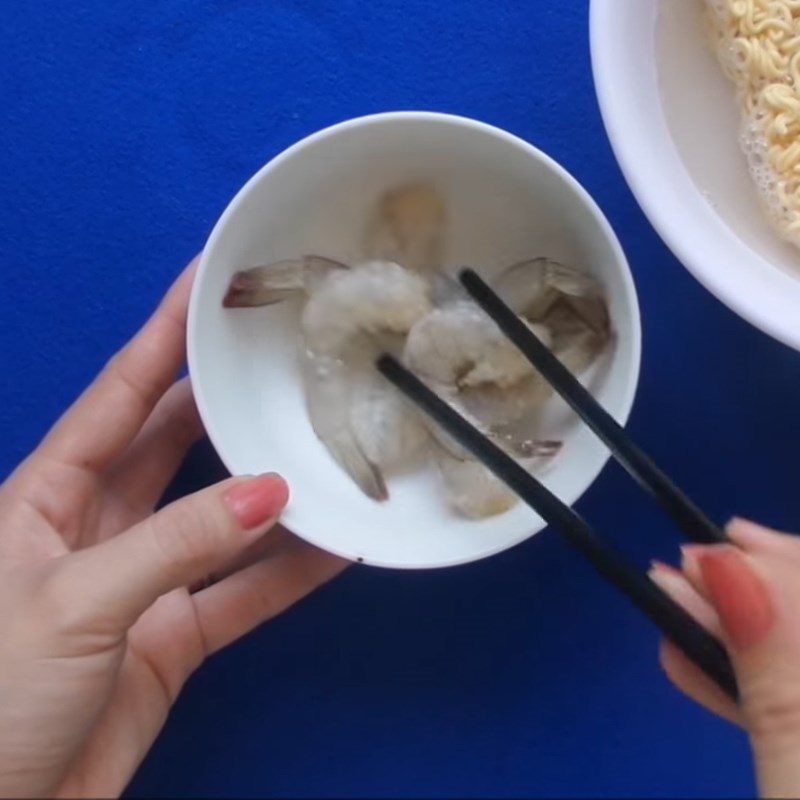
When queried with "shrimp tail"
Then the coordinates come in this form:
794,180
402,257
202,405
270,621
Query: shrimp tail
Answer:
328,388
276,282
534,287
352,460
265,285
578,352
582,293
531,448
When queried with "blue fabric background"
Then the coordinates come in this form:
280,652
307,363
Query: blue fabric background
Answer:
128,127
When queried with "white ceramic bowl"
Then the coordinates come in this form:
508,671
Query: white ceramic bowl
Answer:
673,122
506,201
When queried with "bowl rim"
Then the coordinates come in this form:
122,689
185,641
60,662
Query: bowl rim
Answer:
619,111
581,196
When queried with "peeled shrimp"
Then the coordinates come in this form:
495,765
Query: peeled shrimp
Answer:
408,226
475,491
349,313
460,345
401,301
372,298
361,419
389,431
462,354
327,384
570,306
364,425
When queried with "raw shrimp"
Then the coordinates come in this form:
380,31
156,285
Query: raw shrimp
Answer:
408,226
389,430
462,354
571,307
327,382
273,283
568,302
401,300
349,313
460,345
474,491
372,298
352,314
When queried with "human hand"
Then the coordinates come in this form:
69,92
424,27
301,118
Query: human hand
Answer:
749,596
99,630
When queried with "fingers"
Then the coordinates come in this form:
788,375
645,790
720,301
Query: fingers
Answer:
676,585
753,589
690,567
153,458
689,678
266,546
756,595
236,605
694,683
111,584
755,538
109,414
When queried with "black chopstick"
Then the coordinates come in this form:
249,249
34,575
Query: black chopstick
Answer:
689,518
682,629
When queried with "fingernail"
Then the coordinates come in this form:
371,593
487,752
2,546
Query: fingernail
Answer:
746,532
662,566
740,523
674,583
690,554
257,500
741,600
666,577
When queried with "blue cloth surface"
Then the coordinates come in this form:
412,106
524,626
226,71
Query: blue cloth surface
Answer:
128,127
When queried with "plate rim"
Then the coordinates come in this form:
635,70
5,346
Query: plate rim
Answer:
757,305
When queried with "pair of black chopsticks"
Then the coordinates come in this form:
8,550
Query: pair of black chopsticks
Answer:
681,628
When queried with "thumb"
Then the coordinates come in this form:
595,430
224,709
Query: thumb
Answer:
113,583
757,597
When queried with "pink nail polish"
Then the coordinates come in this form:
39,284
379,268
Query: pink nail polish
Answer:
257,500
737,593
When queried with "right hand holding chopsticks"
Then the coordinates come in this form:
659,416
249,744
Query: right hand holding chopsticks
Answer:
749,596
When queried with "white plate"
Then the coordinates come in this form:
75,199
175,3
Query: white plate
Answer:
507,201
673,123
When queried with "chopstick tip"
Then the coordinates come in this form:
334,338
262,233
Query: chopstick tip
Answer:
385,363
467,275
